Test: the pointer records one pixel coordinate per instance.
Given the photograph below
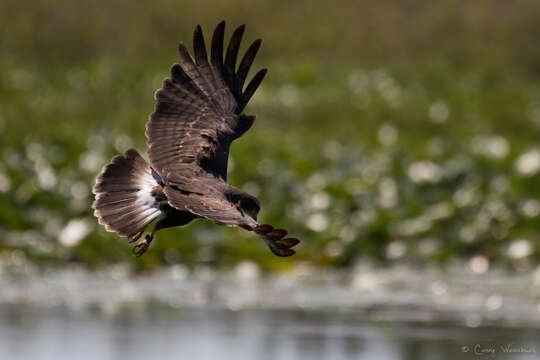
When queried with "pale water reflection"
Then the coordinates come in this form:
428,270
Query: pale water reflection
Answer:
370,312
159,333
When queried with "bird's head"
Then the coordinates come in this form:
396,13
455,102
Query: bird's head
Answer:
245,202
250,205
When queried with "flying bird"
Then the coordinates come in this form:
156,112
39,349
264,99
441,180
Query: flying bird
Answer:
198,114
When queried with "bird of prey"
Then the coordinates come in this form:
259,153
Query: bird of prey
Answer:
198,114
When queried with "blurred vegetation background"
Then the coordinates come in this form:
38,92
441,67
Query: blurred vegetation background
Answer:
388,130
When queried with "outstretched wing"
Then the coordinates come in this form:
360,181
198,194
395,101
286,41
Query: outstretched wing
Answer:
207,198
197,114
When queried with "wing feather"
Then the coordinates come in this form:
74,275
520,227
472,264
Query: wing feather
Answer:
252,86
196,115
247,61
216,53
234,46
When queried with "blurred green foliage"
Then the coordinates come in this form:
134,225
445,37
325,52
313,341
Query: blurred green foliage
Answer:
390,130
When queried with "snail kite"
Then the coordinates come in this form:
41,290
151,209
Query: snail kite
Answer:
197,116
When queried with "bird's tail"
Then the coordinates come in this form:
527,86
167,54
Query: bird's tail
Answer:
124,202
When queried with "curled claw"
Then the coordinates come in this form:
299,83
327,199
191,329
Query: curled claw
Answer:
143,245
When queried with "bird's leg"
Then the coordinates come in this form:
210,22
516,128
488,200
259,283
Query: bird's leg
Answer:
165,222
143,245
135,237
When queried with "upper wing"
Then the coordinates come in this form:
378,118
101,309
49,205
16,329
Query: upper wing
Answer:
218,78
197,112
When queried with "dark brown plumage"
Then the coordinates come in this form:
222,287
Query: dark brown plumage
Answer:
197,116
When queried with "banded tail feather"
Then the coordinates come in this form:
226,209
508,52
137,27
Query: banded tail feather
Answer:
124,202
